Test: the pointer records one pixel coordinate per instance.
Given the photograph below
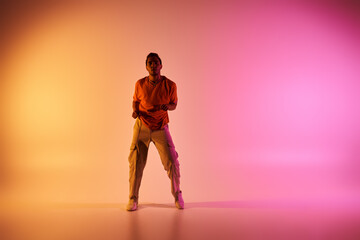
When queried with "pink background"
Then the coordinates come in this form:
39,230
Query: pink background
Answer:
268,99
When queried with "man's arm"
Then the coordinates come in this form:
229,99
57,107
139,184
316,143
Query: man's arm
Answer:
136,111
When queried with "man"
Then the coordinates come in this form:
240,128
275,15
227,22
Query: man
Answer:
154,96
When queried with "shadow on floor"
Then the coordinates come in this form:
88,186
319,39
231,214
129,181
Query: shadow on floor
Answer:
273,204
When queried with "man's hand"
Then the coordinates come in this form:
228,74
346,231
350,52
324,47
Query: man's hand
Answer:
159,107
135,114
164,107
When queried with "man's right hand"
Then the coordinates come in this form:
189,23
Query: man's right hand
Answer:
135,114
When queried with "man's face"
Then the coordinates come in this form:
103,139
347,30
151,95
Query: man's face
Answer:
153,66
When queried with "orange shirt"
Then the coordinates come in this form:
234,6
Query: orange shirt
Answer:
150,97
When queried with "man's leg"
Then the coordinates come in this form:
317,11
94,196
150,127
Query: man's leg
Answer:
137,161
169,158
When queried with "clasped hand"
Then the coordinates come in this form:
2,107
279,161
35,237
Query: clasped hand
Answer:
163,107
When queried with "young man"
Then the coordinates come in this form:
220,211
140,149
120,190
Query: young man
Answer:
154,96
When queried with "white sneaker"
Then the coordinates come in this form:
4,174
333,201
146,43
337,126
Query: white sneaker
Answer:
132,205
179,201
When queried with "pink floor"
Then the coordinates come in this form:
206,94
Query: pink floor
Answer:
199,220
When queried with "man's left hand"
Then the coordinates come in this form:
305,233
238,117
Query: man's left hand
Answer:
164,107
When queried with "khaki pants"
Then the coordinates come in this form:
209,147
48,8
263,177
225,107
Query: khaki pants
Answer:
138,154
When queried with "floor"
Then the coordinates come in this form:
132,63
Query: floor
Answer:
256,219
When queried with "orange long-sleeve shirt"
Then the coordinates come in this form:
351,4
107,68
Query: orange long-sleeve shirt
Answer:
150,97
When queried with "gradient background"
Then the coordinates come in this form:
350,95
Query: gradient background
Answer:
268,98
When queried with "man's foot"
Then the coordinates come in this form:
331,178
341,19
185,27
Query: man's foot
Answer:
179,201
132,205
